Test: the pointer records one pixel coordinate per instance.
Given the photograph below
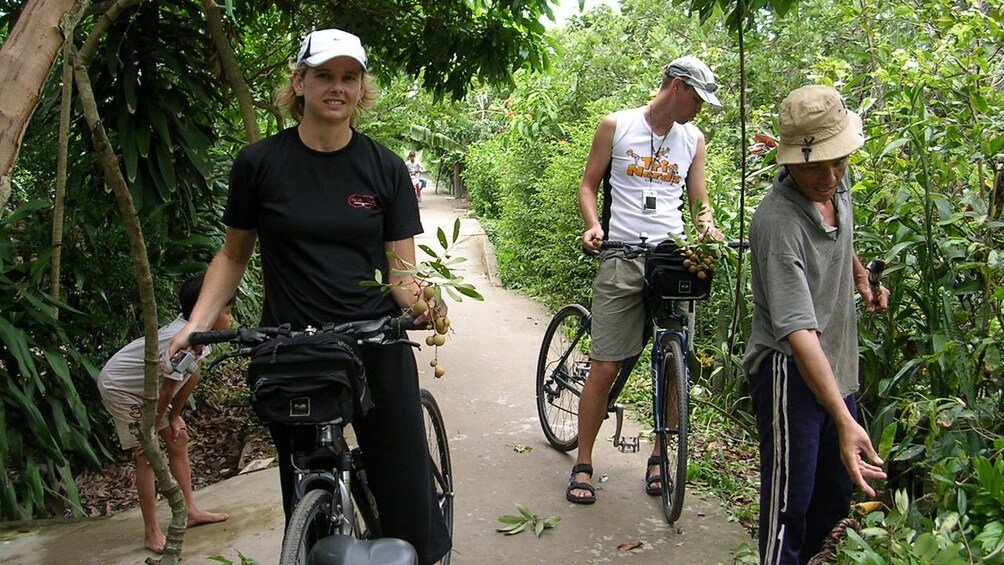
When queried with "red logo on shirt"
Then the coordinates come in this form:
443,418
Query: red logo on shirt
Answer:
364,201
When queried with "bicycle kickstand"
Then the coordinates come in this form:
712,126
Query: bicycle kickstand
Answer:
624,444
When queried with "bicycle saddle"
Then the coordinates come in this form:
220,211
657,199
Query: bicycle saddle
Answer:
344,550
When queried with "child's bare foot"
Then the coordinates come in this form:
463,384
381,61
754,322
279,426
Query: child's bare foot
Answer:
155,541
201,518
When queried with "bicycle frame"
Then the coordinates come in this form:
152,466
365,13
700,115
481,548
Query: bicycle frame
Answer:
331,466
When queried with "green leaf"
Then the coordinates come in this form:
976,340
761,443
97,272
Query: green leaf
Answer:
130,155
515,529
908,453
165,163
892,146
25,210
552,521
538,527
428,250
510,519
454,294
159,123
995,145
468,291
525,511
441,235
456,230
888,438
17,345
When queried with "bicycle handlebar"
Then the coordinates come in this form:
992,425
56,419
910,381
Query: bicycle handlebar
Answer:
361,329
634,249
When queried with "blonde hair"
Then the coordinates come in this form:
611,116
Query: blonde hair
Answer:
290,104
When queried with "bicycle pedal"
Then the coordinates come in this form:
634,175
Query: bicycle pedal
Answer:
628,445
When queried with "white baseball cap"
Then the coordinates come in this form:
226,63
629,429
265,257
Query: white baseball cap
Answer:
323,45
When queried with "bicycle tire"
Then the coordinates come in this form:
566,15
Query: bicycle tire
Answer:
559,383
673,437
310,522
439,452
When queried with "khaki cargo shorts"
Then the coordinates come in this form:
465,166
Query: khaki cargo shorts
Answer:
127,419
619,307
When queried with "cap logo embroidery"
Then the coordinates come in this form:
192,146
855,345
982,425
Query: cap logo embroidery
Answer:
807,148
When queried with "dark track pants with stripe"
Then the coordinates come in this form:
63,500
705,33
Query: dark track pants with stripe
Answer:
804,488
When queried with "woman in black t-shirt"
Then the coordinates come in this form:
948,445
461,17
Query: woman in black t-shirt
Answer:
327,204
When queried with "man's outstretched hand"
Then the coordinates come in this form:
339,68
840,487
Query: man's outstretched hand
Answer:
859,456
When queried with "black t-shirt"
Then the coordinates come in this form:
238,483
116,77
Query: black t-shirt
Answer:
322,220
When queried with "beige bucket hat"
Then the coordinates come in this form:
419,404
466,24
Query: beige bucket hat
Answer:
816,126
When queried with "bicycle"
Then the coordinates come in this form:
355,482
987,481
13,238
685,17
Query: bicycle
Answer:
333,501
563,366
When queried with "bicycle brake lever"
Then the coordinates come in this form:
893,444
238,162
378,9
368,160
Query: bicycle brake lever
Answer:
414,344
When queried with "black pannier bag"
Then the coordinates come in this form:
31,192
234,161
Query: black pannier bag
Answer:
308,379
666,276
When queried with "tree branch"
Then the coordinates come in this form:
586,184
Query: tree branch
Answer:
231,70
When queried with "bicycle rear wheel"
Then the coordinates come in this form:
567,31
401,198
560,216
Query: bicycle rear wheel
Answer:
673,385
562,369
311,521
439,451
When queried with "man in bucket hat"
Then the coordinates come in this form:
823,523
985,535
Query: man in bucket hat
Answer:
802,359
650,163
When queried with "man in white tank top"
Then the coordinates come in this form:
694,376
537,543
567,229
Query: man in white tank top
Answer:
647,159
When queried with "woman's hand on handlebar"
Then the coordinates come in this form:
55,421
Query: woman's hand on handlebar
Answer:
592,239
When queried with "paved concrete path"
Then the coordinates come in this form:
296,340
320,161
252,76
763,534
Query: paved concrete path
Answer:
488,401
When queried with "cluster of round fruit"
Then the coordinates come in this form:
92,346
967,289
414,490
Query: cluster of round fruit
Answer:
698,261
438,324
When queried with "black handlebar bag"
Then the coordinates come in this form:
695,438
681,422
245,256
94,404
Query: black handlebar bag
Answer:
668,278
308,379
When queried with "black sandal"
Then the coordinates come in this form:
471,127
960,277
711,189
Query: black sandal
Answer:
650,480
576,485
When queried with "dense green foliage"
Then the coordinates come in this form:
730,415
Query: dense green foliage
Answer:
928,79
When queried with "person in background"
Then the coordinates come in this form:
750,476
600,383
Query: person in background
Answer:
121,384
326,206
650,161
416,170
802,355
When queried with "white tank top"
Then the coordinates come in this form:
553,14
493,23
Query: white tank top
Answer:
644,164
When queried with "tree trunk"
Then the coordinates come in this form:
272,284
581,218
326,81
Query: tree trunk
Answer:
30,48
458,183
151,353
59,199
232,70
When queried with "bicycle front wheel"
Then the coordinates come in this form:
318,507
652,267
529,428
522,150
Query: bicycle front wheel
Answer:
673,408
310,522
562,369
439,451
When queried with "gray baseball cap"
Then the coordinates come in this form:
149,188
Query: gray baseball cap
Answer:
696,74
